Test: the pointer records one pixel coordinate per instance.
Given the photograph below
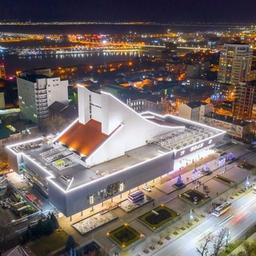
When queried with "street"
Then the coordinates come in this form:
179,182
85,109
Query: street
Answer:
242,216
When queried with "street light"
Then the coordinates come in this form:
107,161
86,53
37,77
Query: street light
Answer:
191,216
247,182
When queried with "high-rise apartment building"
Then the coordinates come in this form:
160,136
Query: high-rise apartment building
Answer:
235,64
37,92
244,99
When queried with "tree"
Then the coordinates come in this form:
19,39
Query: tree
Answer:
220,241
5,232
203,249
47,227
213,244
70,246
54,221
36,231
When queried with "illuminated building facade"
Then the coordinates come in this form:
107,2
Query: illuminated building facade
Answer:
235,64
244,99
2,71
37,92
195,110
108,150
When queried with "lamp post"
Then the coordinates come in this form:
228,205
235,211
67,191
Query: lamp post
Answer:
191,215
247,182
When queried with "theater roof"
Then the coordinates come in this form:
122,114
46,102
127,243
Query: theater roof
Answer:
84,138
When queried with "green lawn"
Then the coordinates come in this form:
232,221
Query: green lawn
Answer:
48,244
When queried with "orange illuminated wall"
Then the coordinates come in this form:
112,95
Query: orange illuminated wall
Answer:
84,138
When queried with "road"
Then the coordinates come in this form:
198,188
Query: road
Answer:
241,216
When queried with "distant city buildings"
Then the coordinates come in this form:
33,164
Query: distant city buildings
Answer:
2,100
36,92
244,100
235,69
2,71
235,64
141,105
195,110
238,129
198,70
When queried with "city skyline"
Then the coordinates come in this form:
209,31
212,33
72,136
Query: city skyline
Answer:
127,128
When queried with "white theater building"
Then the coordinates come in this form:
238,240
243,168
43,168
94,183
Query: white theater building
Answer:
108,150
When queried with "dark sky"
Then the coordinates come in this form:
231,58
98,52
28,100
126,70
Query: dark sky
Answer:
128,10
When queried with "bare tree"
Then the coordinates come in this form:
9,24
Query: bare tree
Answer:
220,240
203,249
213,244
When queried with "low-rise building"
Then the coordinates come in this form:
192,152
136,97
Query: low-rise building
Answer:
236,128
195,110
153,104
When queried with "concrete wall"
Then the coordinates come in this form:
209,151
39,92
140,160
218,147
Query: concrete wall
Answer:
26,92
185,111
57,90
136,131
33,104
112,114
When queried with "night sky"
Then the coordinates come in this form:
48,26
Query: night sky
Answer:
129,10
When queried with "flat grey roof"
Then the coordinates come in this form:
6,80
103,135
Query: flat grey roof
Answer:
80,174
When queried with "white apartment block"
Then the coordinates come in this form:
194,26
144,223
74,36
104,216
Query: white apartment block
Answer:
235,64
37,92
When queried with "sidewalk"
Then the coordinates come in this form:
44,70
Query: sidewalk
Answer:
171,200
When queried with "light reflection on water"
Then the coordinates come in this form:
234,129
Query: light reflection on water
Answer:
16,62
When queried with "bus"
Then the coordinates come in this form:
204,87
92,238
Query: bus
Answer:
221,209
136,196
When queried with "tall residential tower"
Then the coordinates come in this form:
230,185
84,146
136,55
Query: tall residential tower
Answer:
235,64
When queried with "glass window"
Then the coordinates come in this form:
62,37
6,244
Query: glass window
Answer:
121,187
91,199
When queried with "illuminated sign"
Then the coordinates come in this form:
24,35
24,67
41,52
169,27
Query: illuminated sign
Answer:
196,147
182,152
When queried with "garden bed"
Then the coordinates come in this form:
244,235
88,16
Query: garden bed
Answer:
124,236
225,180
158,217
194,197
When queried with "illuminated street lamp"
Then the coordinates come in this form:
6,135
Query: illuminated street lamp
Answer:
247,182
191,215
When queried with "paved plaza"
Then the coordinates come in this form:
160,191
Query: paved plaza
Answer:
169,198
